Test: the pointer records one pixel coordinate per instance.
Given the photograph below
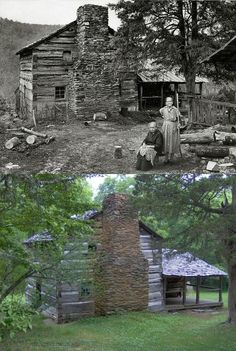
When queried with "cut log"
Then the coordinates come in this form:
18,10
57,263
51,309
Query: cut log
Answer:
118,152
87,123
49,139
229,141
223,136
220,128
43,142
100,116
29,131
212,151
31,139
197,138
10,144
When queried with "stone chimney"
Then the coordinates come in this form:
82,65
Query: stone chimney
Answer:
122,273
95,85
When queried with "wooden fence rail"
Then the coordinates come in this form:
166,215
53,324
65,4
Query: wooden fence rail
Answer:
211,112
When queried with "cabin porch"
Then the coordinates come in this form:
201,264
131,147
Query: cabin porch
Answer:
180,294
175,304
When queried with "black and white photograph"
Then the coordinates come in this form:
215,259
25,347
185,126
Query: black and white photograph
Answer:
80,92
117,175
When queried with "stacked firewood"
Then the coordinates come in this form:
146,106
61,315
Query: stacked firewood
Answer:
212,144
25,138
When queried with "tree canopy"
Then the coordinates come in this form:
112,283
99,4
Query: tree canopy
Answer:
175,33
34,204
194,213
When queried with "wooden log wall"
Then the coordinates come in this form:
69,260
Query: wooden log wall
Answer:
129,91
72,300
152,251
43,290
51,66
26,87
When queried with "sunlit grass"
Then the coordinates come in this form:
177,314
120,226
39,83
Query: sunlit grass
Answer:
138,331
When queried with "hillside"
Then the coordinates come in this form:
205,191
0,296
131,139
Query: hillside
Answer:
14,36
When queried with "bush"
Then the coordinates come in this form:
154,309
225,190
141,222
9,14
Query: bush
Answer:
15,315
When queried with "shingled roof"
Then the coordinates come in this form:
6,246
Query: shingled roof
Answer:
152,72
38,238
186,265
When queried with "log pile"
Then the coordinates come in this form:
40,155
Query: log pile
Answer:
215,144
25,138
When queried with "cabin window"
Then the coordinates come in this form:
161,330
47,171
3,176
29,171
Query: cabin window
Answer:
85,290
92,247
67,56
60,92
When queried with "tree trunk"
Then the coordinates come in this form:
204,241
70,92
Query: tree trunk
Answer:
232,293
190,77
194,15
232,263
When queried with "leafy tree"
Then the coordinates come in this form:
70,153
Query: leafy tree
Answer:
120,184
34,204
199,210
174,33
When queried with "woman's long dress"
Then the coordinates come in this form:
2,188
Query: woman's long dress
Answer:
170,129
152,138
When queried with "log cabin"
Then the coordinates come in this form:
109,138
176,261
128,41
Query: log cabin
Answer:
128,270
74,72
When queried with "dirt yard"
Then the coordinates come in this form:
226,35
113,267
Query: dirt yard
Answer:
81,149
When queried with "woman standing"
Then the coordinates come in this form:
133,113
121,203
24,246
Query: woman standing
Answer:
170,129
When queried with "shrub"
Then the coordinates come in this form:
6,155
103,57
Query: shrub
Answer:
15,315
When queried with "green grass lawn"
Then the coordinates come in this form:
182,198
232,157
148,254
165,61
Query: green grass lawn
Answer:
206,295
137,331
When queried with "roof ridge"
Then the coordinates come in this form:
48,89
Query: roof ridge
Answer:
51,35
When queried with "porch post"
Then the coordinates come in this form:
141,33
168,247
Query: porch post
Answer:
162,94
176,95
184,291
220,288
164,289
198,290
141,97
200,88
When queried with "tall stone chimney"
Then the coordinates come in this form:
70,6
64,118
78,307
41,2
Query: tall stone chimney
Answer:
95,84
122,272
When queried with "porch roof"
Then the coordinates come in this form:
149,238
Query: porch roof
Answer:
152,76
186,265
151,72
226,55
